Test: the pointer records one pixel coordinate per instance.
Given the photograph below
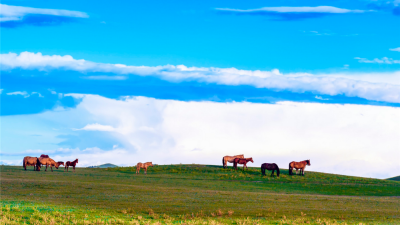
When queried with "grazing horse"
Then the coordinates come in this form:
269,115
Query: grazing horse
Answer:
44,156
270,166
298,166
31,161
48,162
230,159
60,163
73,164
241,161
143,166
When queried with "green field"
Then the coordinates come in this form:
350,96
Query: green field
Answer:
194,194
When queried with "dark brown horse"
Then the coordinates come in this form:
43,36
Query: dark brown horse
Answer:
270,166
44,156
73,164
299,166
242,161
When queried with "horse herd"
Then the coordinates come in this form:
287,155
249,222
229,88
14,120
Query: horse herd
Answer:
240,159
45,160
237,159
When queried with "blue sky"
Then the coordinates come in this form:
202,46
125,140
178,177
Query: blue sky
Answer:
61,60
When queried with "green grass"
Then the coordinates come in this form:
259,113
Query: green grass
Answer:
195,192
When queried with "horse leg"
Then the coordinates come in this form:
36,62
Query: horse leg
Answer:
74,168
51,167
145,170
272,174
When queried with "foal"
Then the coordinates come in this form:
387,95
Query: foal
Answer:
242,161
73,164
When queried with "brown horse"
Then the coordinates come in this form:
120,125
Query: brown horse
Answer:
44,156
31,161
48,162
60,163
73,164
242,161
230,159
143,166
299,166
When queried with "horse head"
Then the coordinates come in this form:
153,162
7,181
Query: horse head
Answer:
308,162
151,164
76,160
251,160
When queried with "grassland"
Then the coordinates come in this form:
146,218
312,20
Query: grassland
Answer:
195,194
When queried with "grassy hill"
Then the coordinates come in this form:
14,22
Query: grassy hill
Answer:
395,178
107,165
174,193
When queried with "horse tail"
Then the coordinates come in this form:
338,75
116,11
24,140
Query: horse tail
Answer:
262,170
277,170
290,169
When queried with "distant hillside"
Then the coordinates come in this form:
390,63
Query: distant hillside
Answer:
394,178
107,165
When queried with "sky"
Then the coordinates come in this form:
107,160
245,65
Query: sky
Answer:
190,82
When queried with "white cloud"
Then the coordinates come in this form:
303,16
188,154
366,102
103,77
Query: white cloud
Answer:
97,127
384,60
395,49
337,138
326,84
23,93
304,9
12,13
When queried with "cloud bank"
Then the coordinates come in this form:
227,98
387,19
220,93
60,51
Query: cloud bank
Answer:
232,77
15,16
168,131
290,13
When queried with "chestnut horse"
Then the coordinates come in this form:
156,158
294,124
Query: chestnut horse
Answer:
298,166
241,161
48,162
270,166
143,166
73,164
31,161
230,159
60,163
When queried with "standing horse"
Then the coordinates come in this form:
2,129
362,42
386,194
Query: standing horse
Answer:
73,164
298,166
241,161
31,161
230,159
48,162
270,166
143,166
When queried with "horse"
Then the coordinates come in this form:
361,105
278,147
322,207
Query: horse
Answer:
44,156
143,166
230,159
31,161
298,165
73,164
241,161
48,162
60,163
270,166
